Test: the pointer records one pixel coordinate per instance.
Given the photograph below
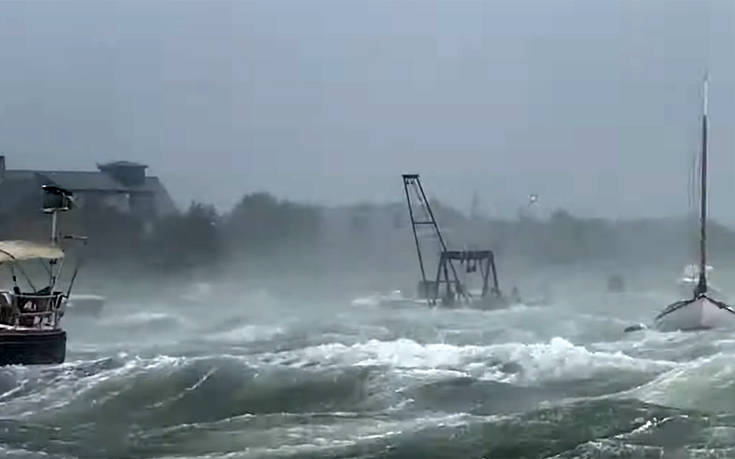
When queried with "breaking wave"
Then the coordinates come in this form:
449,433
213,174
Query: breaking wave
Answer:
557,360
366,384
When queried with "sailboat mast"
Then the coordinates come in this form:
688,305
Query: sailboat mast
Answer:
702,284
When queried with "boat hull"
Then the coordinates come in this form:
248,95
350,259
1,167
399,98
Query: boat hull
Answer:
701,314
32,347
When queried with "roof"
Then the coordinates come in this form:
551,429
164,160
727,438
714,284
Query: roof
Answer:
19,186
83,181
26,250
78,181
120,164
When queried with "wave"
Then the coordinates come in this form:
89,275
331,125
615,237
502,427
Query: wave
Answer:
11,452
247,334
309,438
147,319
177,390
705,384
557,360
406,384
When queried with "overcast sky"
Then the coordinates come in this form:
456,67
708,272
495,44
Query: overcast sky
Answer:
594,105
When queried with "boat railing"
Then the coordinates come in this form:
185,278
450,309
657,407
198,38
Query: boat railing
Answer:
31,310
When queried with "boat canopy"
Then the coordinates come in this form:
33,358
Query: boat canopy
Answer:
26,250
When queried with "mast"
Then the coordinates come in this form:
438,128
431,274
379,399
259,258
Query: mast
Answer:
702,284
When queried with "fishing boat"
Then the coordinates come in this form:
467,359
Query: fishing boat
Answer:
396,299
463,278
30,317
456,269
701,311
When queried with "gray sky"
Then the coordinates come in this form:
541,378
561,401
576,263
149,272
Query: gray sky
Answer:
592,104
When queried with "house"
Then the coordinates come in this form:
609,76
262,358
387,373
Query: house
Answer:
123,185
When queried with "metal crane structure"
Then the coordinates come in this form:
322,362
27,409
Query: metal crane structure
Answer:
445,285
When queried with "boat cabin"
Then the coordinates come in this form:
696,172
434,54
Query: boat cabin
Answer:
31,307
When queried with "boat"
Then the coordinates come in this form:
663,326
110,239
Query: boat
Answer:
395,299
701,310
450,285
462,279
30,317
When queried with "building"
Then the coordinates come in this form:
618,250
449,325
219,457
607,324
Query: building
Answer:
123,185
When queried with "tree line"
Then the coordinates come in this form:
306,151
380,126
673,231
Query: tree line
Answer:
276,234
257,226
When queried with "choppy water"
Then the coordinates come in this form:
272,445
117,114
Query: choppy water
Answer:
266,379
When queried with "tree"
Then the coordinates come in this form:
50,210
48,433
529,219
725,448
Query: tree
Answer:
187,240
260,224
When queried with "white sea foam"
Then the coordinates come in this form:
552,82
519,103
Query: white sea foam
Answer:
512,362
703,384
247,333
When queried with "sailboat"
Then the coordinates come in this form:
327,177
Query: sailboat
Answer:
701,311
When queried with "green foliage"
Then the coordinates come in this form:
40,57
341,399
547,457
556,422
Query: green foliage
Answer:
568,239
187,240
260,224
262,229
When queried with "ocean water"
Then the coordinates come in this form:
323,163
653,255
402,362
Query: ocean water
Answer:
260,377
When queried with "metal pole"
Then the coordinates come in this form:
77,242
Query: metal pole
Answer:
484,272
435,288
496,285
431,214
54,216
436,228
413,228
54,241
702,284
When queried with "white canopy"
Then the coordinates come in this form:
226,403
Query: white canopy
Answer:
26,250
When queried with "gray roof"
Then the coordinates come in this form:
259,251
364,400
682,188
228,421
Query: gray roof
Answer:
84,181
19,187
120,164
